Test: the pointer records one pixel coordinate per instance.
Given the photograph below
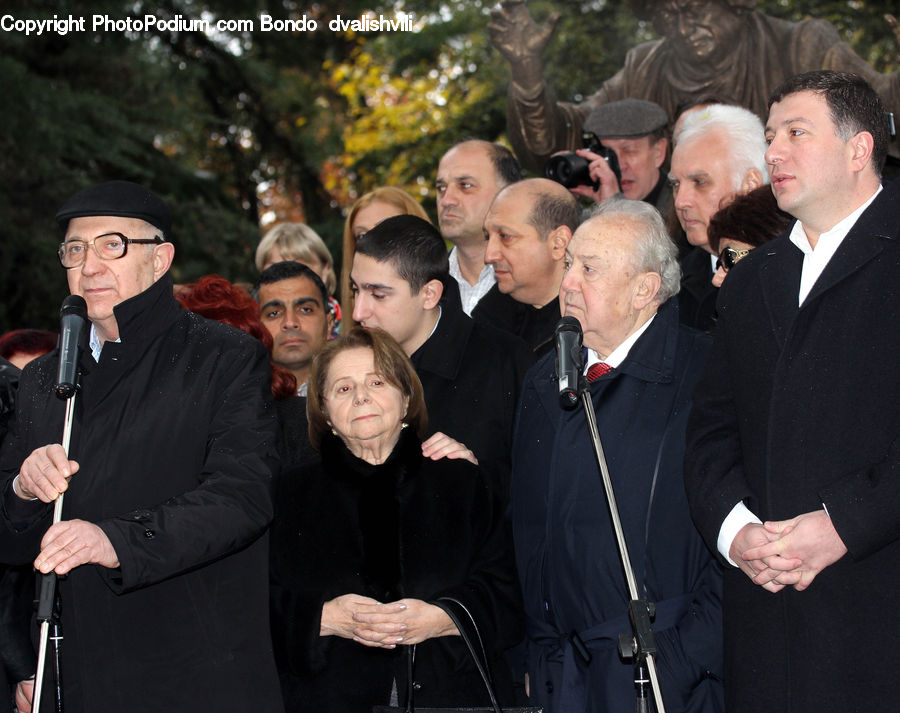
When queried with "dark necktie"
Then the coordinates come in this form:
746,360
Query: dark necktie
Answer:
595,371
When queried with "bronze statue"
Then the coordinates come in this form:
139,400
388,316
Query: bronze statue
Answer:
724,48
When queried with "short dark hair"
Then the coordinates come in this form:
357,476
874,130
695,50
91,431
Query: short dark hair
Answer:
753,218
391,362
287,270
413,246
506,166
852,103
551,211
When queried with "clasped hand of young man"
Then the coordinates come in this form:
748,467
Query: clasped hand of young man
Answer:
789,552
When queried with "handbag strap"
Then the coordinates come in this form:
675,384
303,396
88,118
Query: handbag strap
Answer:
479,657
410,676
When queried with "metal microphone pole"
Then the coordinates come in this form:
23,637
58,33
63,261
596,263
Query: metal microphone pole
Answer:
48,604
73,317
642,644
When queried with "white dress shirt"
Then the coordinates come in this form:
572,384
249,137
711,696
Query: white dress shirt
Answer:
617,355
470,294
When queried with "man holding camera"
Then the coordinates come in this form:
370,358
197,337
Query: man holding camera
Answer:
630,133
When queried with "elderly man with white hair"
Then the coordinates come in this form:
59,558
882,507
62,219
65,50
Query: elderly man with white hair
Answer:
621,282
719,154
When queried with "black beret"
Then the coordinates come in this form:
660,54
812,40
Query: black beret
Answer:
626,119
119,198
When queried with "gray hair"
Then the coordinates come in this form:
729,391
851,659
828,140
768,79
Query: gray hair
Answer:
653,249
745,132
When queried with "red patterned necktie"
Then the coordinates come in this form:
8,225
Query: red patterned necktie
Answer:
595,371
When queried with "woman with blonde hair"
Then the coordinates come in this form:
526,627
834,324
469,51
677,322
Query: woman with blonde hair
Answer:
369,210
298,242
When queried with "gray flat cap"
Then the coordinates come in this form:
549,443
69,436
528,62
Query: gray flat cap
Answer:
626,119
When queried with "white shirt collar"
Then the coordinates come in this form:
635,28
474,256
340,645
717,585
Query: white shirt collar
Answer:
469,295
816,260
617,356
838,232
96,345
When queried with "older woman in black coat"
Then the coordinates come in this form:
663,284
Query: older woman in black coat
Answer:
363,542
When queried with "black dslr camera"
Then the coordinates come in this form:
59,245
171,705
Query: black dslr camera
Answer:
571,170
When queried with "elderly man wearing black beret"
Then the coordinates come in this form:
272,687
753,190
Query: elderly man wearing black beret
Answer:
164,602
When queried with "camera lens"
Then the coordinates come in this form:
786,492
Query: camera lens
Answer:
569,169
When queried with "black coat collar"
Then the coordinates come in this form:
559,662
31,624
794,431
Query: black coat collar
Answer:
143,317
782,261
141,320
442,353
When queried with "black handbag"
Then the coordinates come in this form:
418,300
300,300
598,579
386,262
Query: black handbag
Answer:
479,656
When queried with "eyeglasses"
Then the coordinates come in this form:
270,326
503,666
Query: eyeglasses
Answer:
109,246
729,257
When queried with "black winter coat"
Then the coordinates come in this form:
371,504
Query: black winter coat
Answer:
535,327
471,374
410,527
175,437
799,407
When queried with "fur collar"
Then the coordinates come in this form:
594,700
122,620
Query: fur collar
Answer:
379,506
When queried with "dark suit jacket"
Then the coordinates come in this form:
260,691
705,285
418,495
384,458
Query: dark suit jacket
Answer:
535,326
566,553
471,375
800,407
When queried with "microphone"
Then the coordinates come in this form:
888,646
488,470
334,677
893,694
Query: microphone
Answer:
569,361
73,315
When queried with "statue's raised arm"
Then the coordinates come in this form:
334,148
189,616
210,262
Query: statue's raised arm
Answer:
533,115
519,38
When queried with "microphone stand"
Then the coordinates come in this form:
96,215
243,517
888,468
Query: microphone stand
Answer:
48,609
640,647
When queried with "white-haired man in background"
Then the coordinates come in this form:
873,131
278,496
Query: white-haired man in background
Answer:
719,153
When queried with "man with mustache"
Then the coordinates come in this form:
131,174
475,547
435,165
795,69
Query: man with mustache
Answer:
636,131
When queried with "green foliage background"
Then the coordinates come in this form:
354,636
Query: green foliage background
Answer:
236,129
